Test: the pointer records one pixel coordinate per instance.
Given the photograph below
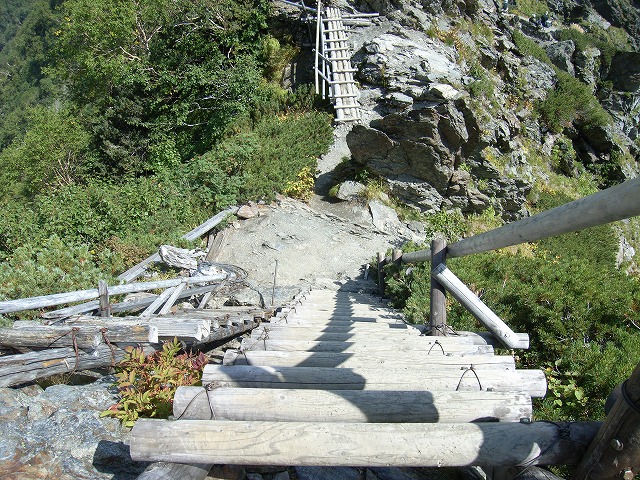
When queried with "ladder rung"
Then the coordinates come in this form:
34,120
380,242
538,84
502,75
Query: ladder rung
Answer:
350,95
333,30
345,70
337,49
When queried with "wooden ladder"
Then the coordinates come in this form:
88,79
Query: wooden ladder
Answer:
333,64
341,380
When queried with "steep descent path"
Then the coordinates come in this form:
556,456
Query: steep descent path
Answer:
334,381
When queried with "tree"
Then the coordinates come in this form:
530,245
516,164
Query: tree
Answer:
158,75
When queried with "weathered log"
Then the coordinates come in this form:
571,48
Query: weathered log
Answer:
360,444
373,406
127,306
27,367
173,471
82,336
137,270
615,451
172,298
478,309
158,302
530,382
334,337
487,338
375,345
365,360
81,295
374,328
228,331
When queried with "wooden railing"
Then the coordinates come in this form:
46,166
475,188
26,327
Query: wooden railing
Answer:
615,451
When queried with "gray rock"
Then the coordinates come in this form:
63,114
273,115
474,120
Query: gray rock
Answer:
327,473
350,190
416,226
384,218
561,54
59,434
586,65
625,72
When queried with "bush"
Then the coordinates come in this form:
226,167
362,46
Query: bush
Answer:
147,383
54,266
571,102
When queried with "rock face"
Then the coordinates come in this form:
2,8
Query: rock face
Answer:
58,433
427,156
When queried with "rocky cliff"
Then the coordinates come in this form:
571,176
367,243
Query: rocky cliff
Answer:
470,103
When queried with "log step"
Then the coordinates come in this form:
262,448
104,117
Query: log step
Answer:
360,444
384,347
530,382
364,359
286,405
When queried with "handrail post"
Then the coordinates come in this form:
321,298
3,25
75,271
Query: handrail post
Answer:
438,303
381,263
103,292
614,452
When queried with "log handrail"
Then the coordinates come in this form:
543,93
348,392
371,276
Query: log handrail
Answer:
610,205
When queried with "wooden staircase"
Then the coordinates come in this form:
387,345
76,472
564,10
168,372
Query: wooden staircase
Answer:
339,379
333,65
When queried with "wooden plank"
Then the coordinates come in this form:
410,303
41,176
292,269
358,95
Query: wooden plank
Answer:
285,405
360,444
374,328
173,471
477,308
365,360
334,337
173,297
158,302
426,347
530,382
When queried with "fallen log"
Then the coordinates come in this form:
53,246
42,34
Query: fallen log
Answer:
127,306
81,295
364,360
137,270
530,382
285,405
360,444
28,367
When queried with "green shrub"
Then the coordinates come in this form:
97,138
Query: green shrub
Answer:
571,102
147,383
54,266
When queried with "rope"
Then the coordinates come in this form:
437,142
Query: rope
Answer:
207,388
471,368
434,344
106,340
75,346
